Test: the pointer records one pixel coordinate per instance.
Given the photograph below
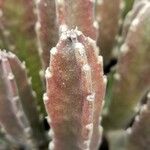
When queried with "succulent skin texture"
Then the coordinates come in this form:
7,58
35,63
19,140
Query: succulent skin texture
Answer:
28,99
139,135
133,69
5,104
74,78
18,113
13,121
138,5
107,16
19,37
46,28
75,92
78,14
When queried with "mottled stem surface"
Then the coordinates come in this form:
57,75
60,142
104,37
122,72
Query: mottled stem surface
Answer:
46,28
75,91
108,15
139,135
80,14
133,70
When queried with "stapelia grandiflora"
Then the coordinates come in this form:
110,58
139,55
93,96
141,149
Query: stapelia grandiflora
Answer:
75,93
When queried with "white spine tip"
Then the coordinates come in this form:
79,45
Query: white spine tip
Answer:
27,130
136,108
122,5
103,103
91,97
30,80
80,48
86,144
45,97
144,108
96,25
78,45
99,2
63,37
100,129
78,32
135,22
41,73
100,120
129,131
86,67
48,74
38,1
63,28
60,2
89,126
34,93
53,51
105,79
19,114
51,133
117,76
10,76
91,41
16,99
51,146
37,26
148,95
48,119
1,13
124,49
11,55
23,65
100,60
137,118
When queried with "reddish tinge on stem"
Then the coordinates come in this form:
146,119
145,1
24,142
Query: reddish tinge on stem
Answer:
75,92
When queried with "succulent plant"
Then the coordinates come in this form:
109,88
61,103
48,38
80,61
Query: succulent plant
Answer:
46,28
76,73
18,114
61,46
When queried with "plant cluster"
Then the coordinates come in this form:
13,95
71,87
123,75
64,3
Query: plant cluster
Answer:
91,59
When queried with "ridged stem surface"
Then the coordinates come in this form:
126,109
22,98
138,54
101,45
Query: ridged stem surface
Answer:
133,69
75,91
108,15
46,28
139,137
80,14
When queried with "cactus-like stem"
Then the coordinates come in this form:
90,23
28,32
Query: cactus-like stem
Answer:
21,37
17,21
17,97
132,77
139,134
75,92
138,5
60,12
4,34
80,14
27,97
46,28
12,117
108,15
